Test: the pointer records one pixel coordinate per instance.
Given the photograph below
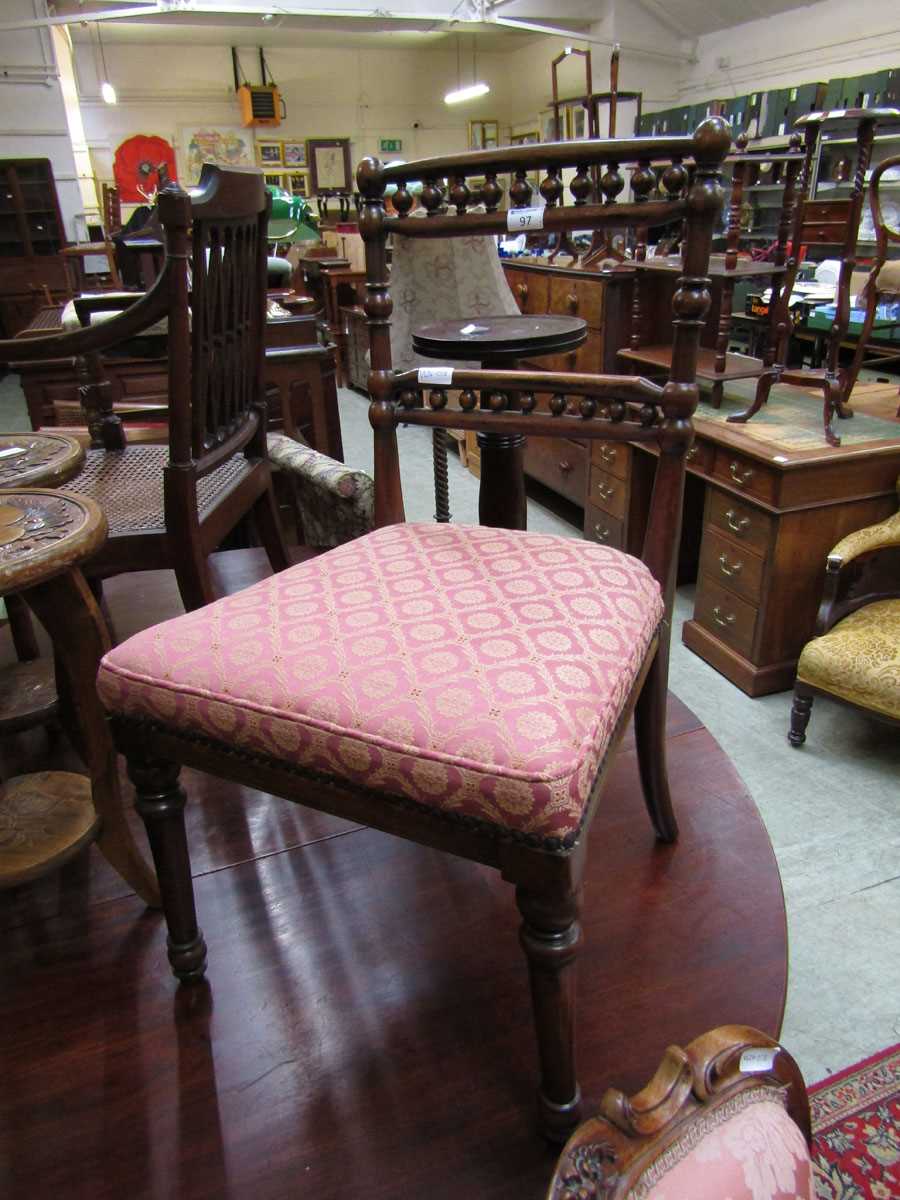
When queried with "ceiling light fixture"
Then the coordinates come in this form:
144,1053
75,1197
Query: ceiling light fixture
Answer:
472,90
107,91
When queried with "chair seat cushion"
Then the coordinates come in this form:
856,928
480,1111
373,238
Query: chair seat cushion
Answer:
477,671
746,1149
859,659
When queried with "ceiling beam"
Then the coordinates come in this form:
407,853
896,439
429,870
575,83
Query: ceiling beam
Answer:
575,36
658,12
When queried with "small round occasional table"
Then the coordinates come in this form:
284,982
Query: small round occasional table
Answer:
498,343
48,817
27,690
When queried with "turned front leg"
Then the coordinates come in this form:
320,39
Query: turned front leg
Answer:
160,801
551,938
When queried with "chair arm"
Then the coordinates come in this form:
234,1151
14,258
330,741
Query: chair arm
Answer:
873,537
337,502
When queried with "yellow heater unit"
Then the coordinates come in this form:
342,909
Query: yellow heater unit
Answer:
260,104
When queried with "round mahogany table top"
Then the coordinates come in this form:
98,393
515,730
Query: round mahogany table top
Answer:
493,337
39,459
43,533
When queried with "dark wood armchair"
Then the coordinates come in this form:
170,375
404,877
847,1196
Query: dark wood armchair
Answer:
823,223
729,1109
465,688
171,506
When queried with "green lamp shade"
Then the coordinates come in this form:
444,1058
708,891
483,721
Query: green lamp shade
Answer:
291,218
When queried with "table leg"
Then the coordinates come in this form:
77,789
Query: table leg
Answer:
70,614
501,496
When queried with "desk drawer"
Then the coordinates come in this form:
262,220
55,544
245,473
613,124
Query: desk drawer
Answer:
750,476
531,291
614,457
559,463
608,493
735,567
587,358
742,523
599,526
577,298
725,615
701,457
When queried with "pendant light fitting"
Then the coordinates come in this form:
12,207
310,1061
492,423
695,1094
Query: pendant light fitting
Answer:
473,89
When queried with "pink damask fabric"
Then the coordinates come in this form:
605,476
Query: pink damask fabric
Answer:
477,671
752,1151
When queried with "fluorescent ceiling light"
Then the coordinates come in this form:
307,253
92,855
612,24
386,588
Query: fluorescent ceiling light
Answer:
108,92
467,93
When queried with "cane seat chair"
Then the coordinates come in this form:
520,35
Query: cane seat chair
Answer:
171,506
462,687
855,656
818,222
727,1116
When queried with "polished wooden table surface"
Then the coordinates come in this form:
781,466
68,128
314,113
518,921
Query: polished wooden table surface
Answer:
366,1017
38,459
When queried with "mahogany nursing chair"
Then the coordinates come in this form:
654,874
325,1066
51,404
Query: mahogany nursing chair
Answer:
170,506
465,688
727,1116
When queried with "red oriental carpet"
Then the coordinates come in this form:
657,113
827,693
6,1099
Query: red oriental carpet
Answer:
856,1130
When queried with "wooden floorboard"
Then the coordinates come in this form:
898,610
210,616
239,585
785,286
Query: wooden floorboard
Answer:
365,1028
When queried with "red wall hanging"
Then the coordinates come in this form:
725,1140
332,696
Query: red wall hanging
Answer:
136,166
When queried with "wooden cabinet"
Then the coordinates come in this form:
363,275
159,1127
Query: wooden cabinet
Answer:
603,300
31,238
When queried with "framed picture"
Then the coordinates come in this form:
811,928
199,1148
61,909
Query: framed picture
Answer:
298,182
329,164
576,122
273,180
269,154
224,145
525,139
484,135
294,154
548,128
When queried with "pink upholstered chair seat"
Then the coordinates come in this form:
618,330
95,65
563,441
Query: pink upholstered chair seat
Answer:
477,671
747,1149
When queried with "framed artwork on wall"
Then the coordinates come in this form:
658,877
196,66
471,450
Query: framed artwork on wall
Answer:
138,164
548,128
298,182
294,154
329,164
576,122
484,135
525,139
273,180
269,154
227,146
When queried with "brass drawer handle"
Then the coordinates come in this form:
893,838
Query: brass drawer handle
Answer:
741,478
606,491
565,466
602,532
607,454
720,620
572,301
692,453
737,524
522,291
730,568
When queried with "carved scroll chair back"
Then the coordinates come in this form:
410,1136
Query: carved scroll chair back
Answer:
833,223
687,1132
465,688
171,506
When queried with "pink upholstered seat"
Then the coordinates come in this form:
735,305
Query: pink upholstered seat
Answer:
478,671
747,1149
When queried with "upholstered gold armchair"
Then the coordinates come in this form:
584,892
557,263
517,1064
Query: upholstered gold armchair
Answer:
855,656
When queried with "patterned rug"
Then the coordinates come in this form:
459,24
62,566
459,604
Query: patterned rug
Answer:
856,1130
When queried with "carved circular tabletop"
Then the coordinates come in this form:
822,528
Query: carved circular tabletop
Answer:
493,337
43,533
38,459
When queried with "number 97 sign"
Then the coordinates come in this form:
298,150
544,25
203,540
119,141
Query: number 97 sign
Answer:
524,220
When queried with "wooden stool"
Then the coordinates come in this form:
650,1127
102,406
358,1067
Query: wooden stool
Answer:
48,817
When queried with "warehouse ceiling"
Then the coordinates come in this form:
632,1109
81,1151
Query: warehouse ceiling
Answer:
495,22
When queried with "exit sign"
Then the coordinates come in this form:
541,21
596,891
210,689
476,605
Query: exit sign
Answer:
390,144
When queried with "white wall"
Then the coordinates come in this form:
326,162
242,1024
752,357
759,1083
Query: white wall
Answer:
32,114
829,40
365,95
